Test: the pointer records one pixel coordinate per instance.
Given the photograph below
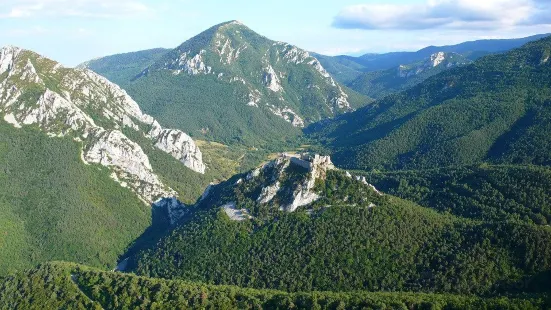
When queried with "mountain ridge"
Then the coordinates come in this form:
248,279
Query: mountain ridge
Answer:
377,84
261,81
490,110
299,224
80,103
347,68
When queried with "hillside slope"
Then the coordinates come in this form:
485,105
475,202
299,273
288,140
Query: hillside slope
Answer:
69,286
378,84
483,192
258,92
81,164
289,227
54,207
496,110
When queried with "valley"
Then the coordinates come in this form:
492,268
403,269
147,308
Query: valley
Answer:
238,172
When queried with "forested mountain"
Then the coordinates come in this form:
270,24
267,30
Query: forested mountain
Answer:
290,227
81,164
482,192
53,206
70,286
346,68
258,92
36,91
343,235
122,68
377,84
496,109
447,205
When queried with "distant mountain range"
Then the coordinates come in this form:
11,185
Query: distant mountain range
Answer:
347,68
377,84
231,61
495,110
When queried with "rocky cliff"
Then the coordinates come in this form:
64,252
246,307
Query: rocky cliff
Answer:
36,91
290,182
439,59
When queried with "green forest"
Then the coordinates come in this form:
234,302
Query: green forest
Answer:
496,109
54,207
482,192
61,285
369,242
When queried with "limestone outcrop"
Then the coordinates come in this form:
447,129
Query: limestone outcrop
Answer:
87,107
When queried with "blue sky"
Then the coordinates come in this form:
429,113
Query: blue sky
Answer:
72,31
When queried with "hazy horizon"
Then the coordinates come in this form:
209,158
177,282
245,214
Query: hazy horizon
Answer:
75,31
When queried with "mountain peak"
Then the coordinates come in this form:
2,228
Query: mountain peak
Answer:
7,57
232,22
10,48
223,28
262,73
437,58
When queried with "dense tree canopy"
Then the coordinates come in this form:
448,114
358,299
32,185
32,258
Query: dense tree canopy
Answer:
350,240
496,109
70,286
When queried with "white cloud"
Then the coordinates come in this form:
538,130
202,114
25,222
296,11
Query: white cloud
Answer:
447,14
72,8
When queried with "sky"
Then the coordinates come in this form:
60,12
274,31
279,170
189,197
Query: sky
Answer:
73,31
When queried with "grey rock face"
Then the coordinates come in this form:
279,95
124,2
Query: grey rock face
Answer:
91,109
